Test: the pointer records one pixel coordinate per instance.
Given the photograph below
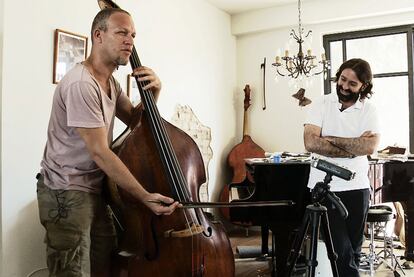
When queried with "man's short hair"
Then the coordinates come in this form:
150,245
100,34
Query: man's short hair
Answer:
101,19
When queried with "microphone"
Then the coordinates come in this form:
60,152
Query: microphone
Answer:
333,169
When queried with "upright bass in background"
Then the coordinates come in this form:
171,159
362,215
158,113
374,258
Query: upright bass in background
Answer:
242,181
166,160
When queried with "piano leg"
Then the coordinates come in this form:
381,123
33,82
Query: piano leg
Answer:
409,230
282,242
265,248
265,240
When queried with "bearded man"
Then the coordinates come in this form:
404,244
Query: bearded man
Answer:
343,128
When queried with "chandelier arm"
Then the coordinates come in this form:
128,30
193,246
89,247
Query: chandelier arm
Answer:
299,65
307,67
295,75
293,70
294,35
294,67
277,70
317,73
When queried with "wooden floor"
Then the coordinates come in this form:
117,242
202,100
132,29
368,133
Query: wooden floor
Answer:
252,267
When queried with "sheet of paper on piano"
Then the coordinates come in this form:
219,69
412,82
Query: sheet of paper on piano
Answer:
391,157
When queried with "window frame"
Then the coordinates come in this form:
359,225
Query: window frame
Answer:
404,29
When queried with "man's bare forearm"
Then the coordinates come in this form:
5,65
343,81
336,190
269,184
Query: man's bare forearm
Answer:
321,146
360,146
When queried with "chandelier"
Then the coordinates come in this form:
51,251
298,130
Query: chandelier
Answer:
301,64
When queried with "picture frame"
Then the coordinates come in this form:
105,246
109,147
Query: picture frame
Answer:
132,90
69,49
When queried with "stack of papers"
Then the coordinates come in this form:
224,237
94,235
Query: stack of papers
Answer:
391,157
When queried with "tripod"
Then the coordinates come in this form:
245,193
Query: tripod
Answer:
315,214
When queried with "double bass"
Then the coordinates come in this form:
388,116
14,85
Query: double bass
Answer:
166,160
247,148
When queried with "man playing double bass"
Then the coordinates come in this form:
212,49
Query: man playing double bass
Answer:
80,234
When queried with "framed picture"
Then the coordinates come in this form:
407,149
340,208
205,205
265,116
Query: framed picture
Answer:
69,49
132,90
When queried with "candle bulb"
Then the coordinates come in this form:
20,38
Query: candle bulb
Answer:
323,57
286,53
277,59
309,52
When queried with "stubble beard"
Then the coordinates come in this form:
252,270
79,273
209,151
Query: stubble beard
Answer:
121,61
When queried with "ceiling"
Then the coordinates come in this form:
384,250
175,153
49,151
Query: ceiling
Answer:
238,6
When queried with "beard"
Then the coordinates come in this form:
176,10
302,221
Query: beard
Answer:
350,97
121,61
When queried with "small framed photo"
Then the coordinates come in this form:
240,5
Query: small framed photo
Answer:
69,50
132,90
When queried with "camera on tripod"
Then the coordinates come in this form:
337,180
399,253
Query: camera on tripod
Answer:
321,191
316,214
333,169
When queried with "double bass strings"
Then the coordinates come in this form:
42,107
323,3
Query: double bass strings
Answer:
149,102
165,146
165,149
164,143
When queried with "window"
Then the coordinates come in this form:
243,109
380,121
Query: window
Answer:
389,52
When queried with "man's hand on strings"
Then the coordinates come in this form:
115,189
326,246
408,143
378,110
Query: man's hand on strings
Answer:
147,75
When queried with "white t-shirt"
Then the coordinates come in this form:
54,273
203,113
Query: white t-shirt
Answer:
350,123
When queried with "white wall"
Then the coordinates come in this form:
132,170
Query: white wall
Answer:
260,33
187,42
1,124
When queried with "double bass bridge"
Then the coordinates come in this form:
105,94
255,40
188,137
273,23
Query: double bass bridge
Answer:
193,230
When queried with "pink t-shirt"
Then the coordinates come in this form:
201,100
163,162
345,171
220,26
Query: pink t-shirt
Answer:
78,101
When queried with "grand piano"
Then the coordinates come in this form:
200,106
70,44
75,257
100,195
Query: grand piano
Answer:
277,181
391,181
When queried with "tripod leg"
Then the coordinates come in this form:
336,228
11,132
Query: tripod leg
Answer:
273,255
329,244
313,262
297,244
